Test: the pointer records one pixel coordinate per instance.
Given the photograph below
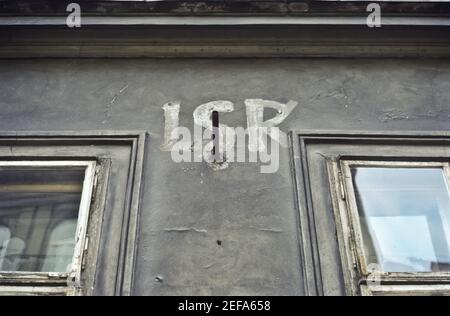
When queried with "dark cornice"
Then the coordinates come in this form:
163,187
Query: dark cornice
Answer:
241,28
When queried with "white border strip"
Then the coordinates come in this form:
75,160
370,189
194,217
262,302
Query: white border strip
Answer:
218,21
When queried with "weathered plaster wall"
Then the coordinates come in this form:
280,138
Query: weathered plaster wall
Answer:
232,231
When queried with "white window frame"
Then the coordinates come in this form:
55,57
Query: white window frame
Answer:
73,278
406,290
352,244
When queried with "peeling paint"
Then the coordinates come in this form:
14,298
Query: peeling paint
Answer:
186,229
255,113
393,115
112,102
267,230
396,115
171,116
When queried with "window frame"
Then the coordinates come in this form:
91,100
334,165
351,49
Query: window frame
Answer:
326,258
347,220
74,276
108,267
406,290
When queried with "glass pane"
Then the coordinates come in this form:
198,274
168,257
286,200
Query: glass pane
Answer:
405,218
38,217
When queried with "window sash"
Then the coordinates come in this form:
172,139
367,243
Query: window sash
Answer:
347,211
74,277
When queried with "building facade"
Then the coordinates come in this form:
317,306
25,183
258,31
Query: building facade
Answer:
95,201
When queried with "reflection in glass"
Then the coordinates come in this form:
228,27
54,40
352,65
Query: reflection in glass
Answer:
405,218
38,217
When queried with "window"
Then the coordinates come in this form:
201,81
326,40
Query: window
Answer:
44,207
399,223
373,211
69,205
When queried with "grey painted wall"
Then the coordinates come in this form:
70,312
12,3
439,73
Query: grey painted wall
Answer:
187,208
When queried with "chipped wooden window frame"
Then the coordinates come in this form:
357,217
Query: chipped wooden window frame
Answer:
72,278
326,262
108,263
38,291
406,290
351,241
